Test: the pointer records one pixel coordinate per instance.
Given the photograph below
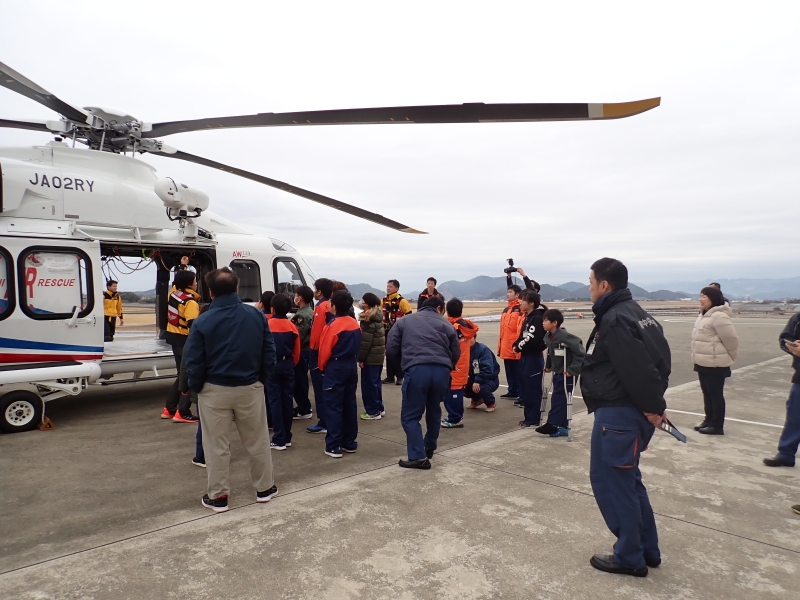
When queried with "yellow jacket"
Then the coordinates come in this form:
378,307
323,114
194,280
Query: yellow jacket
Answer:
112,304
181,312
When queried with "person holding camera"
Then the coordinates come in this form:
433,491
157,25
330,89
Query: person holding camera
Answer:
530,284
530,344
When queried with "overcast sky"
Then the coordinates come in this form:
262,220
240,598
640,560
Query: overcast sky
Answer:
707,186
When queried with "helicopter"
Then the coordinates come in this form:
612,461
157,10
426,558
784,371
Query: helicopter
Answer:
84,201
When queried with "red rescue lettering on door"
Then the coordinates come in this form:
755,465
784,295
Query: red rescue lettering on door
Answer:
30,278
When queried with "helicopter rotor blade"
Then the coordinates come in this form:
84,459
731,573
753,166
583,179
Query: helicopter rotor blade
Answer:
16,82
448,113
31,125
330,202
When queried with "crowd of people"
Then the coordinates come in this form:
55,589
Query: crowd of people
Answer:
234,359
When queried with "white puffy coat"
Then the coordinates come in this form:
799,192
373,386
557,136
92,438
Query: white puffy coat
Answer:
714,339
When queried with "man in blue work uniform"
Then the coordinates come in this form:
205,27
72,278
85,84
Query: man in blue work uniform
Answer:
427,346
625,375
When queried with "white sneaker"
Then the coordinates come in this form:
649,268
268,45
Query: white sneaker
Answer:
275,446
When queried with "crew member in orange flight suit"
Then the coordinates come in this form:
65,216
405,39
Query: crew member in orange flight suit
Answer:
510,325
280,385
454,399
338,361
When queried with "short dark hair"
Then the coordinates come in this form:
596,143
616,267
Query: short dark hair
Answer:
219,281
342,301
455,307
554,316
306,293
433,279
371,300
531,297
715,284
395,283
435,302
536,285
338,286
266,300
110,282
516,288
612,271
325,286
184,279
281,304
714,295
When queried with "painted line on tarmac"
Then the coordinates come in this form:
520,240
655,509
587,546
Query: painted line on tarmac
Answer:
686,412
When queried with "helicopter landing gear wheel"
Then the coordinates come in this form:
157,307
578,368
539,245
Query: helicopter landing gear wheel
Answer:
20,411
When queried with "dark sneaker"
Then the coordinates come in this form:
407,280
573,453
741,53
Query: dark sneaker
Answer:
388,380
415,464
519,404
200,462
510,396
179,418
653,563
267,495
297,416
708,430
350,450
777,462
448,425
335,453
429,452
525,425
547,429
316,429
606,562
217,504
562,432
399,381
699,427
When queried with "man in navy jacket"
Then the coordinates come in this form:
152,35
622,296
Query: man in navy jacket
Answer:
426,344
229,356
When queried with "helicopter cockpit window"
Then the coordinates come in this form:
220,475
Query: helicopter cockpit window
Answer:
249,279
281,246
6,284
287,276
53,282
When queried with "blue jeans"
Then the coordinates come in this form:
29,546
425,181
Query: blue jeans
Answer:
199,454
371,392
424,386
619,435
531,387
790,436
512,376
280,386
454,404
301,384
558,400
341,408
316,382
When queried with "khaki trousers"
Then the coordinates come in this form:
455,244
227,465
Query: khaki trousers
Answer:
218,405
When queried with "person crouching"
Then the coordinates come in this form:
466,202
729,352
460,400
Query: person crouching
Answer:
338,356
484,375
280,385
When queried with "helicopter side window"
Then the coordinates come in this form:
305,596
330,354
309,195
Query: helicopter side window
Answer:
249,279
7,300
287,275
53,282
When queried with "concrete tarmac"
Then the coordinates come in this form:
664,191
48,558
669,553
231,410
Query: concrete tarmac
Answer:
107,505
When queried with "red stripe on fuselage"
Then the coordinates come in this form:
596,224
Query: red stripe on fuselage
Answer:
45,358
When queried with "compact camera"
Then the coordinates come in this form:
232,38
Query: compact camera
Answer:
510,268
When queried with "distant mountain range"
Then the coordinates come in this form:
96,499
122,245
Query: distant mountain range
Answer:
484,287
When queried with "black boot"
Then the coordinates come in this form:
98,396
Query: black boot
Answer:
423,463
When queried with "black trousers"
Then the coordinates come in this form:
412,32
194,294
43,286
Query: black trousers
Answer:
109,328
712,383
393,368
175,401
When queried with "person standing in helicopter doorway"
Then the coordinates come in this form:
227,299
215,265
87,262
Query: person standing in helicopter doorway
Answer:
112,308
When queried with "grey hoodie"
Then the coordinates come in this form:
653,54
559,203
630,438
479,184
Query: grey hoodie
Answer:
575,352
423,338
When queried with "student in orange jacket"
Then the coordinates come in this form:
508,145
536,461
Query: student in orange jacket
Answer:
280,384
338,356
454,400
322,316
510,325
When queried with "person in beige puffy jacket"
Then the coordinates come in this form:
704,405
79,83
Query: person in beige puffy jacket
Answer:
714,346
